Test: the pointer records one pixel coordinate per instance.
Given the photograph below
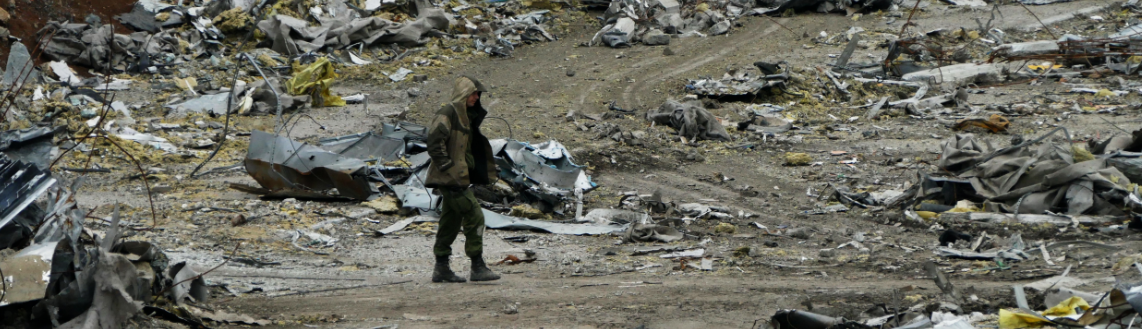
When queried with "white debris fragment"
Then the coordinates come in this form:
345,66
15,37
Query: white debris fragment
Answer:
147,139
116,84
65,73
354,99
358,60
400,74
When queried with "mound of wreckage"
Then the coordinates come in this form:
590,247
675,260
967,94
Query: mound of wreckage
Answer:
57,271
1117,308
188,40
655,22
542,176
1034,182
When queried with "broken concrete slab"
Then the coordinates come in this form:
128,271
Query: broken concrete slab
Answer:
656,37
959,74
620,33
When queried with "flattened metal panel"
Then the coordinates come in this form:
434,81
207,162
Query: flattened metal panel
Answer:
278,163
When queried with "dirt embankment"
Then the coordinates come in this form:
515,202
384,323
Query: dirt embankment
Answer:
29,16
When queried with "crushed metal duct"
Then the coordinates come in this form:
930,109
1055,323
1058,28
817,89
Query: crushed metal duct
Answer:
278,163
20,184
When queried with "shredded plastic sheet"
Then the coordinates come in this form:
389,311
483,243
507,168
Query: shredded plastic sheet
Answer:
1026,319
315,80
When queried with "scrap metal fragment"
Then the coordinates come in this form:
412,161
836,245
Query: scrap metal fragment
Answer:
278,163
21,184
996,123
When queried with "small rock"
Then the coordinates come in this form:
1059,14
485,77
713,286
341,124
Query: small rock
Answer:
511,309
800,233
726,228
655,37
238,220
570,72
797,159
827,253
667,51
161,188
638,134
771,244
720,28
4,16
419,78
87,113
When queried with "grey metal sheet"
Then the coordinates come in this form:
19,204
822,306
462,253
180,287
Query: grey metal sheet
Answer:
495,220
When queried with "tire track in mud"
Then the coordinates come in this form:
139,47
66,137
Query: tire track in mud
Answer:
642,66
647,84
629,69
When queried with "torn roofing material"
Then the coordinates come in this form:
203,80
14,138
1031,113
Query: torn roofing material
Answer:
1030,179
366,146
293,36
278,163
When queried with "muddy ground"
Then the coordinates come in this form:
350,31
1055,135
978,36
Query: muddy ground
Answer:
592,281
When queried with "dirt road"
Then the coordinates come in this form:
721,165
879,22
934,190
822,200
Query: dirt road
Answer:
582,282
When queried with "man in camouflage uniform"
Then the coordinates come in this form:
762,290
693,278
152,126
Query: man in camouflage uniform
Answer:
461,156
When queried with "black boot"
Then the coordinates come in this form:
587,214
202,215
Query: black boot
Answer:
480,271
442,273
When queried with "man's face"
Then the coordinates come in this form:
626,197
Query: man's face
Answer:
473,98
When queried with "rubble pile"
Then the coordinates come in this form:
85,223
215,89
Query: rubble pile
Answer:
64,273
848,7
543,175
1028,179
1062,307
655,22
